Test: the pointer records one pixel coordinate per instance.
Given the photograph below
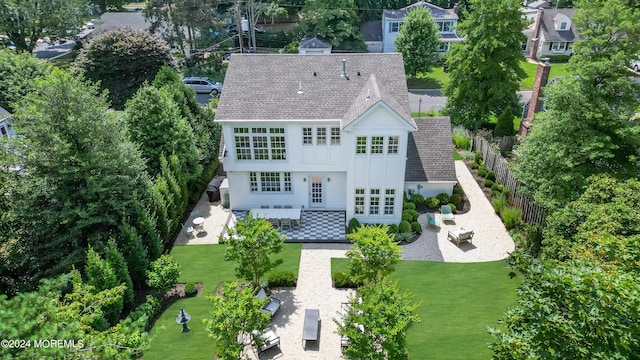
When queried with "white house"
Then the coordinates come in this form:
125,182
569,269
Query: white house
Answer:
5,124
446,19
551,32
331,132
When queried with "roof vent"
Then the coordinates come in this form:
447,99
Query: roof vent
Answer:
300,92
315,74
358,72
344,69
368,95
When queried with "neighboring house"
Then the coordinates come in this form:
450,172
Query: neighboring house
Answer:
446,19
314,46
330,132
5,124
552,32
372,33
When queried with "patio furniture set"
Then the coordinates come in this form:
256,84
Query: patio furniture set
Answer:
268,336
457,236
281,217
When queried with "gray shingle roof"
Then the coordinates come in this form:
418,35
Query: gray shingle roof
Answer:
266,86
437,12
547,26
313,43
371,30
539,4
429,151
372,93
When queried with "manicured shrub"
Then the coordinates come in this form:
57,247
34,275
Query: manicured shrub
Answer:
491,176
407,216
405,226
342,280
499,203
413,213
404,236
488,183
461,137
432,202
483,171
496,187
407,205
511,217
281,278
495,193
456,199
190,289
417,199
478,157
458,190
504,127
453,207
416,227
148,309
393,229
474,165
533,239
353,225
443,198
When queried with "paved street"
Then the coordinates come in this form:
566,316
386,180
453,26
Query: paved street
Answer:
433,99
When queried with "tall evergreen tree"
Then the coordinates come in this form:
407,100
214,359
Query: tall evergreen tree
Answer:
484,70
119,264
80,174
101,275
134,253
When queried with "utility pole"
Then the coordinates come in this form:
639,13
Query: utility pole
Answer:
239,26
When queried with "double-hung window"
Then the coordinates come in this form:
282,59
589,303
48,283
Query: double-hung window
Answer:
394,26
377,144
307,136
389,201
374,202
359,202
335,136
270,181
321,136
361,145
392,145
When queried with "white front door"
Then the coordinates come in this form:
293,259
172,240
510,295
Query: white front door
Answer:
316,192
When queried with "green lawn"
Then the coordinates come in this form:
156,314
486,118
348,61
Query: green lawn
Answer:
438,79
458,300
205,264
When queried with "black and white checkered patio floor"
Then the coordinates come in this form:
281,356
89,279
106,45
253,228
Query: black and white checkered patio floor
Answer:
316,226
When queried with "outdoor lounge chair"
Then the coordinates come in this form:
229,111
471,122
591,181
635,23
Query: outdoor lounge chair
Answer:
268,339
446,213
272,306
460,236
285,223
432,220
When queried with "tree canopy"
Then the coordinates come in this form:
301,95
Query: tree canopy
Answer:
18,73
587,125
484,70
80,175
26,21
122,60
251,242
335,21
373,254
418,41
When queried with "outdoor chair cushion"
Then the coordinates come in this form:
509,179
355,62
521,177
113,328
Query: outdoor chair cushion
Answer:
272,306
432,220
446,213
460,236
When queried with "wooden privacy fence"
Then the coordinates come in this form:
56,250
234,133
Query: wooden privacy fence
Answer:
531,213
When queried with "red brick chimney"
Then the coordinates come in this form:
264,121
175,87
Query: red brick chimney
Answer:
535,105
535,38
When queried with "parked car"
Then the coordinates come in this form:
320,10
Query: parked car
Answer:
635,65
203,85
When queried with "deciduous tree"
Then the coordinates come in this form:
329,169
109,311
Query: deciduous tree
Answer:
373,254
484,70
26,21
18,73
122,60
334,20
251,242
163,273
377,322
587,125
418,41
236,312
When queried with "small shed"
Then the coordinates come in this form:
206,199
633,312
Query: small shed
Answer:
314,46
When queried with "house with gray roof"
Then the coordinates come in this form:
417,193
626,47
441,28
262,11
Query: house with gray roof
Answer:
552,32
446,19
314,46
5,124
331,132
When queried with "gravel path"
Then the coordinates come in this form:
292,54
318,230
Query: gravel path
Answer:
491,241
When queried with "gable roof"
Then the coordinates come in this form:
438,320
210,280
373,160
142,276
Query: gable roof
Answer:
371,30
429,154
373,94
4,113
437,12
266,86
547,26
313,43
539,4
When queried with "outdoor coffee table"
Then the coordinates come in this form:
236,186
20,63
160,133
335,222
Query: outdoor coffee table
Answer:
311,322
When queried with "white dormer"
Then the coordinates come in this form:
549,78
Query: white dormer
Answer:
561,22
